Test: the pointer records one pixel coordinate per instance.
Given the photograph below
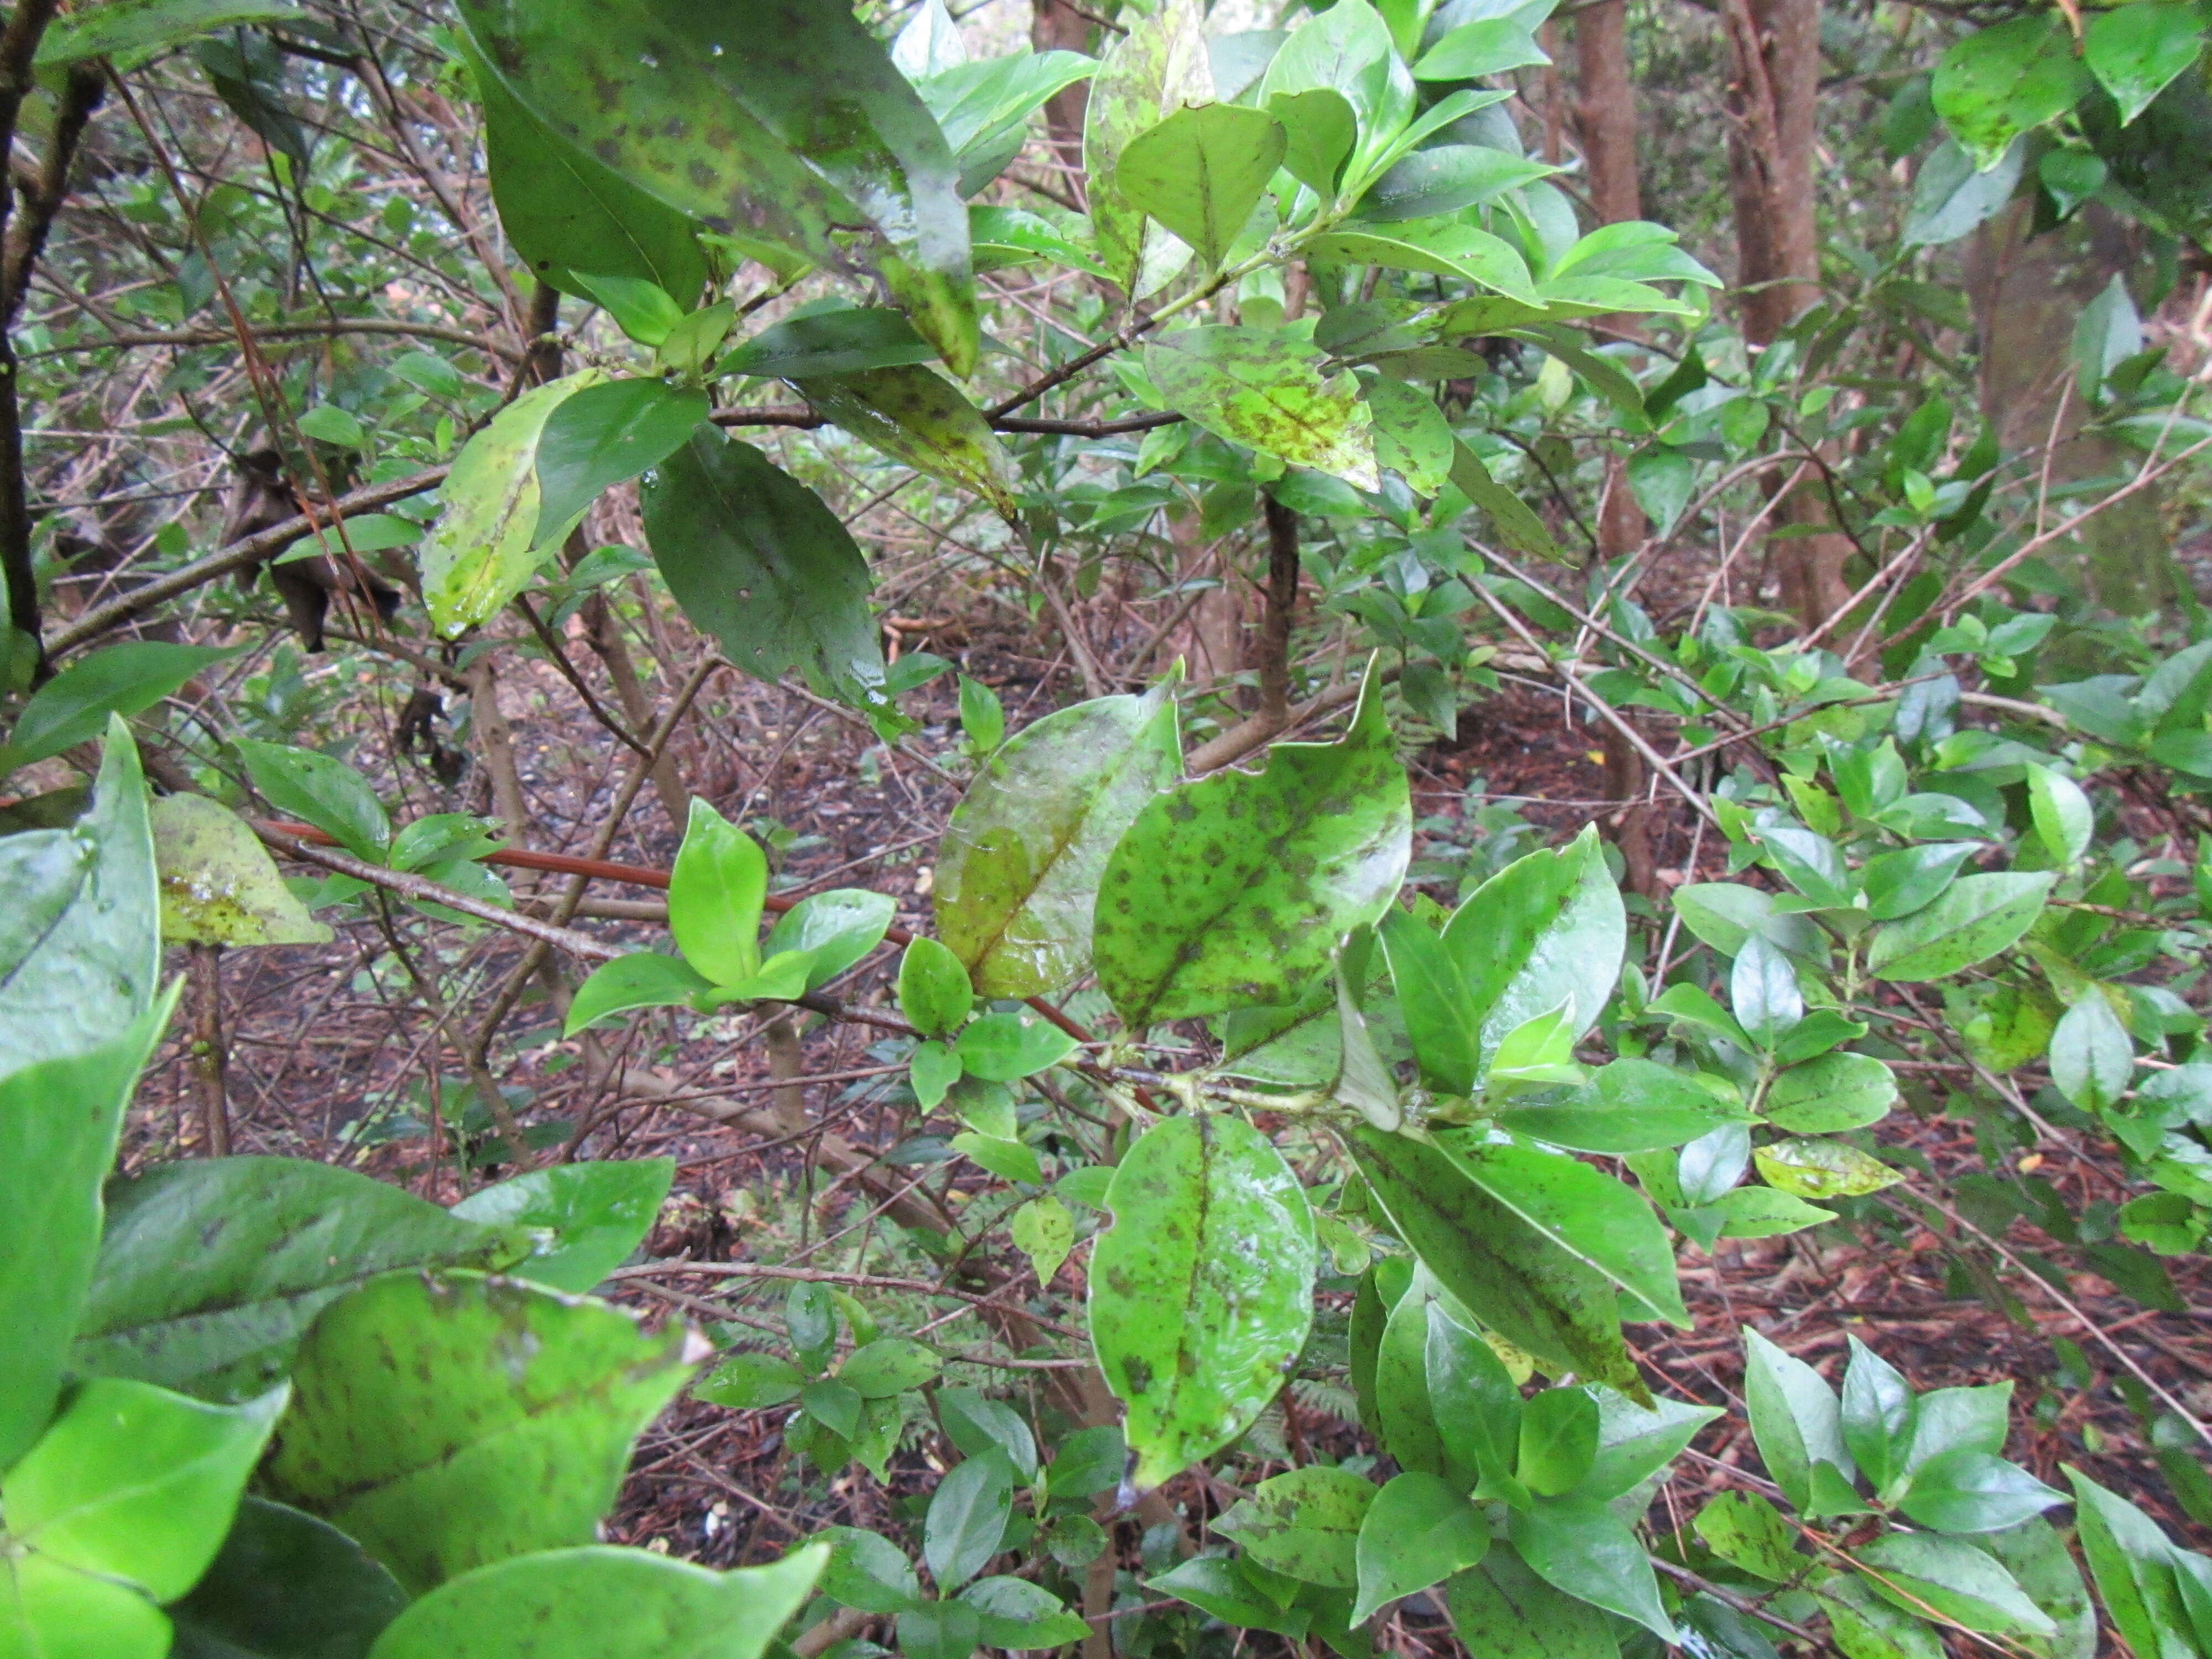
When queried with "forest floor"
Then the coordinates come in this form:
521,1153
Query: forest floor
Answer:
328,1062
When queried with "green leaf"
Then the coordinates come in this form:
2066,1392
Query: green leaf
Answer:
584,1219
1321,128
2064,819
1951,196
210,1270
454,1422
828,342
1977,917
325,792
1018,870
2137,51
1763,1212
134,1483
1490,45
1584,1213
1202,1291
982,716
976,1425
1446,178
1558,1441
916,416
1348,48
1795,1418
134,29
868,1572
1418,1532
1973,1491
1264,388
1157,67
933,992
1436,248
1447,1038
490,538
602,436
1305,1524
1835,1091
1958,1581
750,1382
2039,1562
1750,1534
2129,1555
714,897
2092,1057
566,213
1043,1230
1632,1105
73,706
939,1629
982,106
602,1603
1396,1395
1005,1048
1763,992
933,1070
59,1121
643,979
966,1519
1865,1626
1579,1546
285,1586
1822,1169
774,128
1723,914
1234,890
1634,1442
1502,1610
1878,1414
1513,1279
1012,1612
1512,519
1200,172
1221,1588
1473,1402
757,560
835,930
1998,82
219,885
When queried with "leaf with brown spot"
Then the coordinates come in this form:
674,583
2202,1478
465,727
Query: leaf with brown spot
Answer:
1233,891
916,416
1264,387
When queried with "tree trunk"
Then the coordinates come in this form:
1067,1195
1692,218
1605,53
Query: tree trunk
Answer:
1054,26
1774,48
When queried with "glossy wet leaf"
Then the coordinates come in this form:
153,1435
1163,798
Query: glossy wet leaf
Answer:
1998,82
1632,1105
1548,929
1013,1613
583,1220
81,943
1321,127
1751,1534
828,342
1411,435
835,930
565,212
1219,1587
966,1519
1585,1214
1504,1611
2137,51
73,706
602,1603
1794,1417
219,885
1976,917
916,416
770,125
489,541
2092,1057
752,1381
1579,1546
1265,388
324,791
286,1586
59,1122
643,979
1558,1441
453,1422
2064,818
1202,1291
867,1571
1418,1532
933,992
1510,1277
1159,66
133,28
715,893
1234,890
134,1483
1973,1491
210,1270
2129,1555
1200,172
1822,1169
757,560
1305,1524
1018,869
1958,1581
1436,248
602,436
54,1609
1043,1230
1634,1441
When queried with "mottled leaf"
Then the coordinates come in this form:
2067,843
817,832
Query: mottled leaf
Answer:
1264,387
219,885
